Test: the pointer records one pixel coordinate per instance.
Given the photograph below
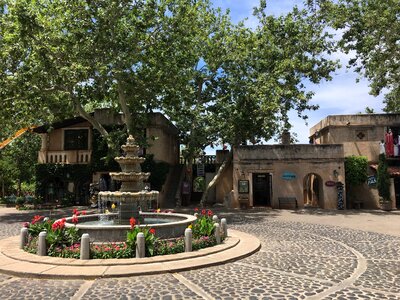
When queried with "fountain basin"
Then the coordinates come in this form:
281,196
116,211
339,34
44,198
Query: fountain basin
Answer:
170,225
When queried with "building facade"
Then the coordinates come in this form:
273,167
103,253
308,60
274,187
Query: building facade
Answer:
71,145
365,135
286,176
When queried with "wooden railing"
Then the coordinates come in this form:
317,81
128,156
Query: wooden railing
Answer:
206,159
65,157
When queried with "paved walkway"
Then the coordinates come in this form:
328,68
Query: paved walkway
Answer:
302,257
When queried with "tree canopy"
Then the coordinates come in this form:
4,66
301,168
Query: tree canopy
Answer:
69,57
370,34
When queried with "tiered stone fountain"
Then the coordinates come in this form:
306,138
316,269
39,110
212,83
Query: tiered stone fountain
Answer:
132,196
132,200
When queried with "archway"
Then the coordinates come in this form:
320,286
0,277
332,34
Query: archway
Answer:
312,190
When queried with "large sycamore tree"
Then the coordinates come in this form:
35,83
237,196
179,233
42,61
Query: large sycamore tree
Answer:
65,58
370,35
244,82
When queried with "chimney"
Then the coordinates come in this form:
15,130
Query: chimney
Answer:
285,137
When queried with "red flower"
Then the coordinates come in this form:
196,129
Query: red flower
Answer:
210,213
75,212
196,209
203,212
26,225
58,225
152,231
36,219
75,219
132,221
83,213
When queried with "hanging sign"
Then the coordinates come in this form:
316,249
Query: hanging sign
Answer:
330,183
200,170
288,175
371,180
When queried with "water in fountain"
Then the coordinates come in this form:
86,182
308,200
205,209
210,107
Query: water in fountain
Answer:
132,195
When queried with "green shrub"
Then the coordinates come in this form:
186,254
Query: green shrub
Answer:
383,180
204,226
149,237
356,170
20,201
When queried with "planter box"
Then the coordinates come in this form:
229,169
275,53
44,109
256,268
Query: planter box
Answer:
386,206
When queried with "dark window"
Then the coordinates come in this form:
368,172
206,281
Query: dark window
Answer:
76,139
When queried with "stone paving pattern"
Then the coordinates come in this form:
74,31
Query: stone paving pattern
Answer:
297,261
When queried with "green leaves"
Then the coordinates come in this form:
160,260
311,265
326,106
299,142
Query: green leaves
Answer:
356,170
370,31
383,179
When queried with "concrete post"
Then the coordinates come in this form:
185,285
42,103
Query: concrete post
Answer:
215,218
217,233
85,246
224,227
24,238
42,247
188,240
196,215
140,245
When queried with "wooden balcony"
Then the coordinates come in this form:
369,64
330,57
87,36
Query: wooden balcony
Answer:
65,157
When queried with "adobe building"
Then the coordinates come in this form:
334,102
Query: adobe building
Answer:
313,175
286,176
70,144
362,135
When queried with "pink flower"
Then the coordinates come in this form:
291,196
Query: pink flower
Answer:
26,224
203,212
210,213
196,209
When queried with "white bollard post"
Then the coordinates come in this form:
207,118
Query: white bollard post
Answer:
42,247
23,238
224,226
85,246
196,215
215,218
188,240
217,233
140,245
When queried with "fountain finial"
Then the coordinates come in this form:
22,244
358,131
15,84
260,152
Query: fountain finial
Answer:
130,140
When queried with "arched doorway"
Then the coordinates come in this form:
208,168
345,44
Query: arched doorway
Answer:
312,190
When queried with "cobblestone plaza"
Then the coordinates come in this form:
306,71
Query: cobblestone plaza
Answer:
297,260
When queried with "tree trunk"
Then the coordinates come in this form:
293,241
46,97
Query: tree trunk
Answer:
216,178
96,124
125,108
3,190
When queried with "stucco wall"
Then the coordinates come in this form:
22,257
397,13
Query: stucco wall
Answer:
300,160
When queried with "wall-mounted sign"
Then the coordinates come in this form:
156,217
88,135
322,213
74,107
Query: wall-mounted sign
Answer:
330,183
243,186
371,180
200,170
288,175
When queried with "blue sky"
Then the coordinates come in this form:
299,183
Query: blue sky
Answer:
342,95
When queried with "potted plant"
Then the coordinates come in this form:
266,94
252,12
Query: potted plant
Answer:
383,184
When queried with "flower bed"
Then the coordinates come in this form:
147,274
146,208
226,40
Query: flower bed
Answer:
65,242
